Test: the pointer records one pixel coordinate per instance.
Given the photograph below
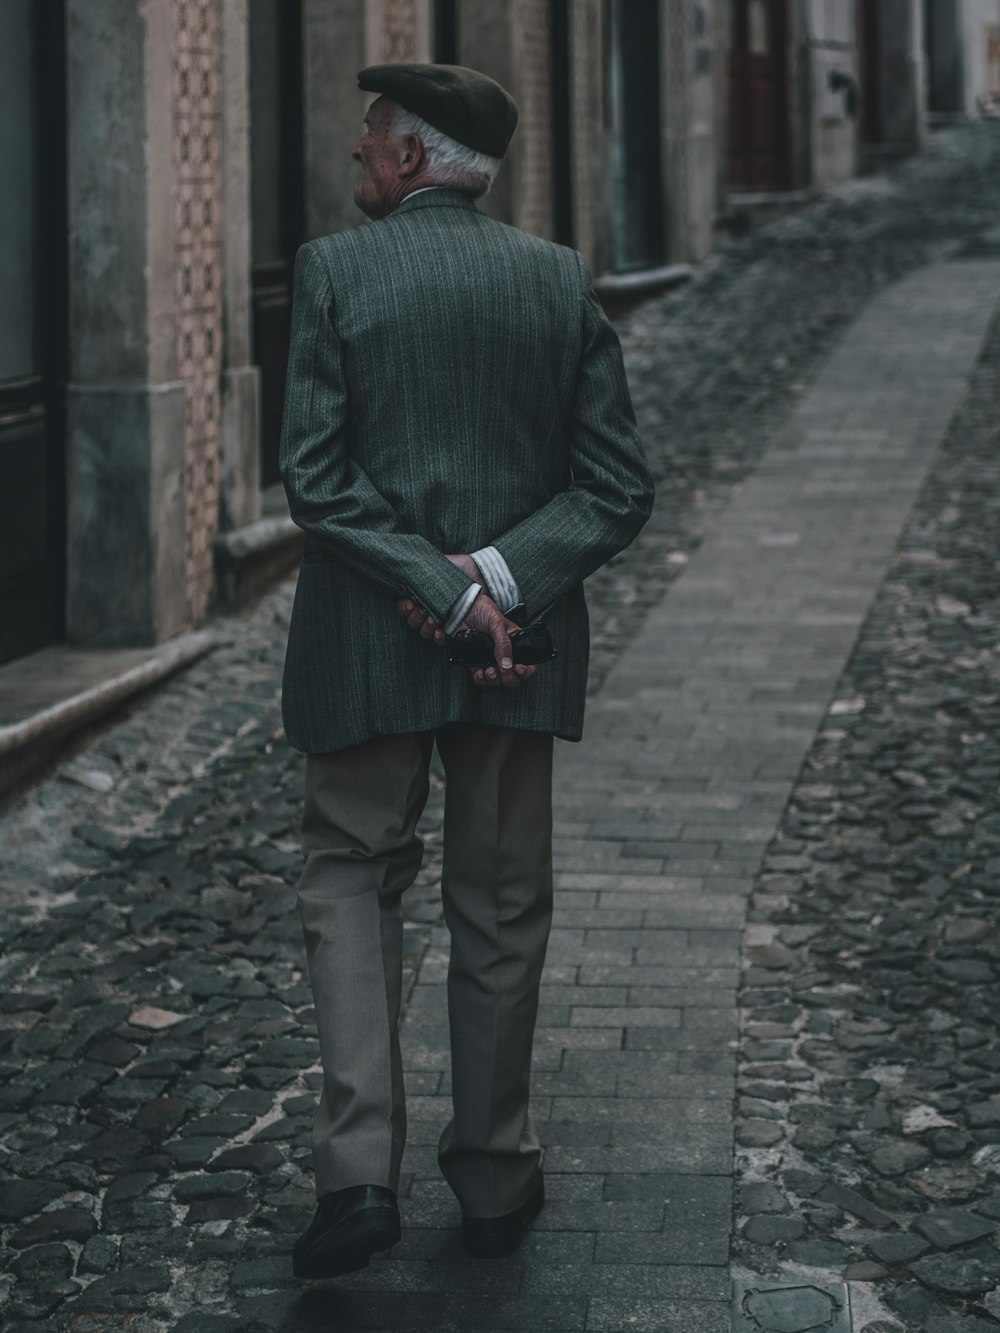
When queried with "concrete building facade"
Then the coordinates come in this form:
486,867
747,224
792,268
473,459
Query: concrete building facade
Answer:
171,155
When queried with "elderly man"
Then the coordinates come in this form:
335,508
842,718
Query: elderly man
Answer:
460,448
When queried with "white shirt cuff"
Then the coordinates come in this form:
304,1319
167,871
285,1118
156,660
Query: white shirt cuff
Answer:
461,606
499,580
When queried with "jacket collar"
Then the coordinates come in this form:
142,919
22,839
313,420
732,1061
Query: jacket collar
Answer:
436,196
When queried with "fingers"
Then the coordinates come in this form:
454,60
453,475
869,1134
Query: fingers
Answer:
420,620
491,678
502,651
411,613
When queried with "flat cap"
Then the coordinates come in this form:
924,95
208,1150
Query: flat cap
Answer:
462,103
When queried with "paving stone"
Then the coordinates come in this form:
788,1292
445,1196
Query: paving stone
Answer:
115,1148
35,1301
260,1158
756,1133
188,1154
212,1186
897,1248
125,1292
958,1275
22,1198
818,1253
130,1186
865,1271
899,1159
42,1262
99,1255
762,1197
60,1224
769,1230
948,1228
843,1196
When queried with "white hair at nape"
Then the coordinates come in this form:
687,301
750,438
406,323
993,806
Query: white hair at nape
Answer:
448,161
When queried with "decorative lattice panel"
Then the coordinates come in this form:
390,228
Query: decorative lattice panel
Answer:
197,145
398,31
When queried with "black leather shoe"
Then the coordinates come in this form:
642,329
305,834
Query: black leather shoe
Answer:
349,1227
492,1237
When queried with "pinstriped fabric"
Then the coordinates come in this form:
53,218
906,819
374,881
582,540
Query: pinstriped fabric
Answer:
452,384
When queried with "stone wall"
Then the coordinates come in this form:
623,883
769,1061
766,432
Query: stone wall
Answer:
833,57
197,151
397,30
125,407
534,167
589,146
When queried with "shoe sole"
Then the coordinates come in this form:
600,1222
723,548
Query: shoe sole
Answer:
497,1249
335,1260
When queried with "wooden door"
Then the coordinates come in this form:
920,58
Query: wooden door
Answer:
276,202
758,96
32,327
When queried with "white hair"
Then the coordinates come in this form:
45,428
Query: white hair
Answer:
448,161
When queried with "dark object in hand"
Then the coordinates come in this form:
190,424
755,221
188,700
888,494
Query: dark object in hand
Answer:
472,648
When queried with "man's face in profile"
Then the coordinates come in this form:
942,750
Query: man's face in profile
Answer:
380,153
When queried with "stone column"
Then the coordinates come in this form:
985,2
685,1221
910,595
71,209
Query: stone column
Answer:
239,498
692,87
588,132
125,410
531,165
833,68
903,64
675,124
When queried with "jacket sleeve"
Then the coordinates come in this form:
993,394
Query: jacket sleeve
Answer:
610,495
329,496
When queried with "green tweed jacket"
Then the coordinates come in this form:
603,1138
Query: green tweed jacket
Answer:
452,383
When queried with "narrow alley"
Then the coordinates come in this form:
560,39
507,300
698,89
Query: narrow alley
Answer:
766,1070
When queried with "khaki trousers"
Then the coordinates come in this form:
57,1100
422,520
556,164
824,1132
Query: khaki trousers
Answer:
358,830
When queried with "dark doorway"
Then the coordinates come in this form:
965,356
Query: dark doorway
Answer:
446,32
943,48
758,96
32,327
633,46
276,200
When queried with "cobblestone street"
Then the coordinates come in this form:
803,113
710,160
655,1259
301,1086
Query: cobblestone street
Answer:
767,1049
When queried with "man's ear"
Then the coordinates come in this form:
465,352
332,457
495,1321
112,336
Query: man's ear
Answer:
412,158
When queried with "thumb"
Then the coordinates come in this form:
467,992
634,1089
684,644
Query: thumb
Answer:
501,645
